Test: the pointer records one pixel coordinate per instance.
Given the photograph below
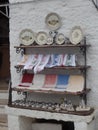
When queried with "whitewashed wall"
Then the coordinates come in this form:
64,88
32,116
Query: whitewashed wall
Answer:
73,12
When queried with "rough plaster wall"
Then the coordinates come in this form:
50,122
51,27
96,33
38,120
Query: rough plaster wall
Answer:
72,12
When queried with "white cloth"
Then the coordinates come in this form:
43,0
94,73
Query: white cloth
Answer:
42,63
38,81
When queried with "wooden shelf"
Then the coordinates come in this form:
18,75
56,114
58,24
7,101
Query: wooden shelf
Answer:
51,46
81,67
70,67
24,89
81,113
52,49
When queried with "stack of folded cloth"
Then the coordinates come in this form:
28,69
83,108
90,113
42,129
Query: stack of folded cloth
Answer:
50,81
38,81
38,62
69,83
26,80
62,81
76,83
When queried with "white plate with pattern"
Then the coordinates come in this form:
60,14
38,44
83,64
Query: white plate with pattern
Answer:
49,40
76,35
53,21
26,37
60,38
41,38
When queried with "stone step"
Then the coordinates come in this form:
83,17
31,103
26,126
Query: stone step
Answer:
4,84
2,109
3,101
3,91
3,95
3,128
3,87
3,118
3,124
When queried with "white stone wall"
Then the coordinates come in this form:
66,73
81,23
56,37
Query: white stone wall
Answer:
22,119
73,12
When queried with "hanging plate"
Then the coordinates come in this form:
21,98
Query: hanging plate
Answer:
49,40
76,35
26,37
41,38
60,38
53,21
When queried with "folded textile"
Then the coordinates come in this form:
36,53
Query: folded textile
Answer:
32,61
62,81
50,62
38,81
69,60
40,66
60,59
26,80
76,83
55,60
24,60
50,81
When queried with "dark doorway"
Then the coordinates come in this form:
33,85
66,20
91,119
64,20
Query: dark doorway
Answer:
4,43
65,125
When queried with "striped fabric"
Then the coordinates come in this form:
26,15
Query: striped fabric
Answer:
69,83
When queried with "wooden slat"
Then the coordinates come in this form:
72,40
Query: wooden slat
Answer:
51,46
56,69
62,67
50,91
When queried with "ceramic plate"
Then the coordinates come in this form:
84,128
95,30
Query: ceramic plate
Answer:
49,40
26,37
53,21
60,38
76,35
41,38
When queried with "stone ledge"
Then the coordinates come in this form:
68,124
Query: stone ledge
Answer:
48,115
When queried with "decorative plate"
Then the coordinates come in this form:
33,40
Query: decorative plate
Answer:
26,37
60,38
53,21
76,35
49,40
41,38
